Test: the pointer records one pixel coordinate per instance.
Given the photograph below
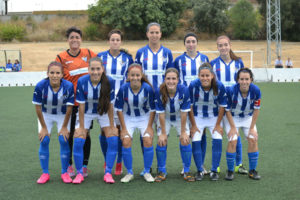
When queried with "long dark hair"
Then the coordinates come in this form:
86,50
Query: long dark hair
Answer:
163,87
231,54
214,85
144,78
104,99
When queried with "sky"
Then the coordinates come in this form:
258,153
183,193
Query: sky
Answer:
38,5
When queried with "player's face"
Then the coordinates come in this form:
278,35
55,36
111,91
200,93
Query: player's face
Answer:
135,77
154,34
115,41
205,77
190,44
55,75
223,46
74,40
171,81
244,81
96,71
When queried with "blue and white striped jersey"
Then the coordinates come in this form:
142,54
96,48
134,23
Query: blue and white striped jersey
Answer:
179,103
135,104
188,67
89,95
154,64
241,106
226,73
53,102
205,103
116,67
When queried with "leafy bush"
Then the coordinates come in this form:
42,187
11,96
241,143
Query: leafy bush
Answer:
244,20
133,16
8,32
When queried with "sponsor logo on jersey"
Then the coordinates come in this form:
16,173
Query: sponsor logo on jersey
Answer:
71,61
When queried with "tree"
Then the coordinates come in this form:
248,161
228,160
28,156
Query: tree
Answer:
210,15
133,15
243,20
290,18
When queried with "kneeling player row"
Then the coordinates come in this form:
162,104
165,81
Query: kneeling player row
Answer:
190,110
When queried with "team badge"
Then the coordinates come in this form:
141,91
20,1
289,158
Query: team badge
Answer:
84,58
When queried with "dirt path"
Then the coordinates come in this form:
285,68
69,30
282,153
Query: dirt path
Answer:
36,56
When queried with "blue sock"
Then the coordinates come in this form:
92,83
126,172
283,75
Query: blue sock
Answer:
78,153
161,155
64,153
197,154
253,158
203,147
103,144
216,154
119,159
148,158
112,144
230,160
127,157
44,154
187,156
239,156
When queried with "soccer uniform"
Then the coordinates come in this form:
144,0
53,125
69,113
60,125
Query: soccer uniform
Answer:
173,108
206,109
89,95
136,108
241,109
226,73
154,64
54,107
188,67
74,67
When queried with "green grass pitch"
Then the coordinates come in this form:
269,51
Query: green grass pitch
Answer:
279,166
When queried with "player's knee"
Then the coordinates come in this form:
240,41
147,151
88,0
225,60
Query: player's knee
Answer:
77,134
126,142
184,142
147,141
110,132
217,136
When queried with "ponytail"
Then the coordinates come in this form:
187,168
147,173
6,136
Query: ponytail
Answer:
104,99
164,93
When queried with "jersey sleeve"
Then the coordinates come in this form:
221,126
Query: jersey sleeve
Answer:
176,65
151,99
159,107
70,98
222,99
170,60
191,89
257,98
93,54
138,56
186,103
112,91
80,92
242,64
229,98
119,100
37,95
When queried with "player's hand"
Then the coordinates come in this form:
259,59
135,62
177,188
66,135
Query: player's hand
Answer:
219,129
162,140
193,130
150,131
43,133
253,132
232,132
64,132
184,138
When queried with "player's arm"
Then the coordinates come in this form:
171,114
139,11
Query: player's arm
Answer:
64,130
233,131
252,131
218,126
43,132
162,138
183,135
149,128
124,133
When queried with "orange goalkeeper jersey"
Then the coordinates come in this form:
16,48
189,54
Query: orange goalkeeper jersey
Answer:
75,66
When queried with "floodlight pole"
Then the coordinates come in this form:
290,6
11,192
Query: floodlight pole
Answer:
273,28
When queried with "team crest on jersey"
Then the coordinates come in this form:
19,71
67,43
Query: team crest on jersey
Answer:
84,58
183,64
